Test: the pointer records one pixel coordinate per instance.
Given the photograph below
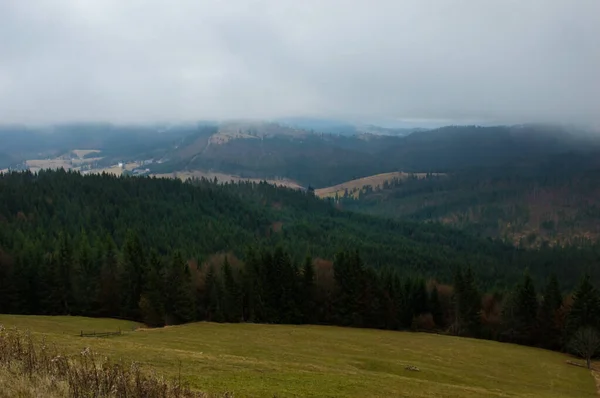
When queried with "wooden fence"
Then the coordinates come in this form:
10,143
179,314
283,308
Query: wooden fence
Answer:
100,334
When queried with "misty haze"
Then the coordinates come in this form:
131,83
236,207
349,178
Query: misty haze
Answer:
261,198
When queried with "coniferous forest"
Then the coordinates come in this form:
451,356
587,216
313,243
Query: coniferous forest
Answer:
166,252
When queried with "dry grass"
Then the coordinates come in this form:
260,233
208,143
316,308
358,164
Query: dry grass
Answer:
40,164
81,153
34,369
317,361
374,181
116,170
222,178
36,165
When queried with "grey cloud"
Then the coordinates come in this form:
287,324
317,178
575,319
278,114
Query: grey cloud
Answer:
506,60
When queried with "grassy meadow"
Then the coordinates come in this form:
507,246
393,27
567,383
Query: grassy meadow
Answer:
354,186
317,361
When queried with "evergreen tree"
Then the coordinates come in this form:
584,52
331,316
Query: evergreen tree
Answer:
87,278
525,311
308,291
50,303
550,333
420,298
585,311
6,284
64,286
179,295
349,275
152,306
467,302
436,308
213,297
253,307
232,295
109,292
134,268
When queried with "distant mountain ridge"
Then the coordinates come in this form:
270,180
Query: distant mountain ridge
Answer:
273,150
269,150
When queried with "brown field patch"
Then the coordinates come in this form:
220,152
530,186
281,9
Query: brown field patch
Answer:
223,178
116,170
374,181
41,164
81,153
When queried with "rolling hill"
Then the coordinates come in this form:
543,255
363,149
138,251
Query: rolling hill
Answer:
539,201
486,165
274,151
202,218
318,361
355,187
270,150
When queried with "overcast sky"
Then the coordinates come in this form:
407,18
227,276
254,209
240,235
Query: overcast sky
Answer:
151,60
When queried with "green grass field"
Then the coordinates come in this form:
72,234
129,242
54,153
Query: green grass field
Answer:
267,360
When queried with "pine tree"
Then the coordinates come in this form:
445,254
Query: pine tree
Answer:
585,311
436,309
525,311
213,297
87,279
467,302
50,303
151,305
109,292
420,298
232,294
252,288
179,295
308,292
6,284
64,259
349,275
134,269
550,333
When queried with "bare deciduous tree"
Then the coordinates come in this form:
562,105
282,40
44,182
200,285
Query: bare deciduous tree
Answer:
585,343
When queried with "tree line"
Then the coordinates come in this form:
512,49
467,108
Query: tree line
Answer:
200,218
138,283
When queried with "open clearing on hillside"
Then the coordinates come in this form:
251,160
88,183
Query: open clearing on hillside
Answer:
222,177
36,165
375,181
319,361
81,153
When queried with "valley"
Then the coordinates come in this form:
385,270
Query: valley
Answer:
267,234
529,185
219,199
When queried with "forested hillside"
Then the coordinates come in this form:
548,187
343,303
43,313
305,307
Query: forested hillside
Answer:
163,251
321,160
539,201
201,218
115,142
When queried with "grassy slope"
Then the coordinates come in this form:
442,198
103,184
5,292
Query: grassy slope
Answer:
354,186
261,360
